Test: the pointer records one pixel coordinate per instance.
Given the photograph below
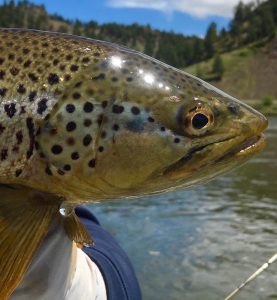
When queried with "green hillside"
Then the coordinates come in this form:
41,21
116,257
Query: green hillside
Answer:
250,74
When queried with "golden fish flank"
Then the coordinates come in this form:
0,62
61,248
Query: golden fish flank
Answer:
90,120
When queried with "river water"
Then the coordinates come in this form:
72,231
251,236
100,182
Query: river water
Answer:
203,242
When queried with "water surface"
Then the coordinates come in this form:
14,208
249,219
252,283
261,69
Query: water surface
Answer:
203,242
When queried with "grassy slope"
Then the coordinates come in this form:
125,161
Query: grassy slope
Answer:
250,74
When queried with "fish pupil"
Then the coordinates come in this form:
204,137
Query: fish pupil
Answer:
199,121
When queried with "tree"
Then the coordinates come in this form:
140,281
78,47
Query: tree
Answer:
63,28
268,25
77,28
254,31
198,50
210,39
218,67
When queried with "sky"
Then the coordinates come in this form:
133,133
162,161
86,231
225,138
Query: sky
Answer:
182,16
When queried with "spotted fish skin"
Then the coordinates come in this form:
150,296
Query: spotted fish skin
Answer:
37,70
87,119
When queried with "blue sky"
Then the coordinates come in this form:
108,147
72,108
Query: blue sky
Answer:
182,16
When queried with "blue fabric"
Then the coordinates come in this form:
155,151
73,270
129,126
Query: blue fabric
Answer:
118,273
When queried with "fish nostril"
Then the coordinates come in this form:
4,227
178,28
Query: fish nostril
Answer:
233,108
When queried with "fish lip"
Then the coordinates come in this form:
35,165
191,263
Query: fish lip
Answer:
248,146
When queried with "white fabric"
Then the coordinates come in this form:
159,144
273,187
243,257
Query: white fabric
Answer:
61,271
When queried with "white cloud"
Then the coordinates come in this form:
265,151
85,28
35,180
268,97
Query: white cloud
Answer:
198,8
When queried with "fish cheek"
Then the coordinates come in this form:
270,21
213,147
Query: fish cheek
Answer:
132,157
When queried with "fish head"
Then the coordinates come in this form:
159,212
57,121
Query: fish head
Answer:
150,128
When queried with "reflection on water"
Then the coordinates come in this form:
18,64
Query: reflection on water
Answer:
201,243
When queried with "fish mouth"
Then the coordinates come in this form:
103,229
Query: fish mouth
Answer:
249,146
243,150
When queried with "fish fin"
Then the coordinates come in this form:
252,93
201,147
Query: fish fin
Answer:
25,217
74,228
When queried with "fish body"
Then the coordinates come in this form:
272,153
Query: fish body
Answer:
90,120
83,120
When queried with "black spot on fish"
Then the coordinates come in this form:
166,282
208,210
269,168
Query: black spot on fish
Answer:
2,128
70,141
85,60
67,167
18,172
31,130
67,77
117,109
76,95
4,154
14,71
11,56
56,149
3,92
32,96
10,109
55,62
71,126
70,108
88,107
92,163
33,77
19,137
27,63
48,171
42,106
74,68
115,127
135,110
2,74
75,155
87,122
68,57
60,172
87,140
21,89
53,78
25,50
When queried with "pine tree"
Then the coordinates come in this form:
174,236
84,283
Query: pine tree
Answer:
268,25
77,28
210,39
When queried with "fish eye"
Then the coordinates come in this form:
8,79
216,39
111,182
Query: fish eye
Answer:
199,121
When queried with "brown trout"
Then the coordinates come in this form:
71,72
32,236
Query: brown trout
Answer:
83,120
